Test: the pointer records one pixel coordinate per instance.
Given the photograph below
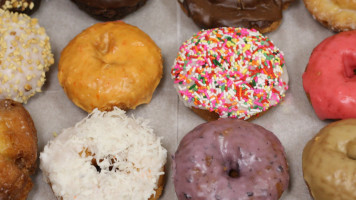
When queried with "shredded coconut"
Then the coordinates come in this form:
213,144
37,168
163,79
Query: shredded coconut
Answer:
105,156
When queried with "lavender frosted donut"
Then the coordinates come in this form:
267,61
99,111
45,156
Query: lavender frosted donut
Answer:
230,159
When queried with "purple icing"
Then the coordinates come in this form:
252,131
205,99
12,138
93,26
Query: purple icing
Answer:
230,159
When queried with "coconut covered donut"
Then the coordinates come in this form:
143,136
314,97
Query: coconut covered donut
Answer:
105,156
230,72
329,162
110,64
18,151
337,15
25,56
230,159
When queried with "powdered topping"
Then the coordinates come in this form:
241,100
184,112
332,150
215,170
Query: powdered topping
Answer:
234,72
25,56
105,156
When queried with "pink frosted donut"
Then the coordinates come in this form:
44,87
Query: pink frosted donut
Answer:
230,159
329,79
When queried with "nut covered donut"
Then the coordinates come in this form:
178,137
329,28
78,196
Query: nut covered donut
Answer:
230,159
337,15
329,79
229,72
105,156
329,162
265,16
110,64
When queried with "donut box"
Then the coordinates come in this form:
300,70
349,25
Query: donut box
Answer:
294,121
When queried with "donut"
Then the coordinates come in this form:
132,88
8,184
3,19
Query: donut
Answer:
18,150
229,72
25,56
105,156
337,15
108,10
329,162
110,64
329,79
230,159
264,16
22,6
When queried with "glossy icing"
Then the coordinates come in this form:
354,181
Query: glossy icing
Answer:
329,162
244,13
208,157
110,64
329,79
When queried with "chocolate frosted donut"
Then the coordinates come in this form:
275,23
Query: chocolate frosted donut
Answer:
265,16
230,159
109,9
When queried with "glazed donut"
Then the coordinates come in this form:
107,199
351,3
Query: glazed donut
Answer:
109,9
337,15
229,72
110,64
329,162
22,6
230,159
18,151
25,56
329,79
264,16
105,156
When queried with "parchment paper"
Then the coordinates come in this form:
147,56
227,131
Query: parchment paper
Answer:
293,121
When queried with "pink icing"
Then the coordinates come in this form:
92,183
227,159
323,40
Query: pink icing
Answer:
208,155
330,78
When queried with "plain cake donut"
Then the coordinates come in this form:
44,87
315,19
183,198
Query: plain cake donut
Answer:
230,159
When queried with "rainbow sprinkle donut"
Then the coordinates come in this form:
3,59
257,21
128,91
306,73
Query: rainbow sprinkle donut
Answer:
233,72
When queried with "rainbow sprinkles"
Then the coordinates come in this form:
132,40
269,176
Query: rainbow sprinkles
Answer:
235,72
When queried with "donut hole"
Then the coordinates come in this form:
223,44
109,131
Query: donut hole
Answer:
233,173
99,169
349,61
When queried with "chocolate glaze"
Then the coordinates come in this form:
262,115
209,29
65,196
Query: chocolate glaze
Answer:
230,159
109,9
22,9
236,13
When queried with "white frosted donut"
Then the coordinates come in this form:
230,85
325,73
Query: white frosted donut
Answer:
105,156
25,56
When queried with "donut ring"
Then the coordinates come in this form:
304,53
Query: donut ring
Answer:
18,150
229,72
110,64
337,15
329,162
333,61
108,10
264,16
105,156
230,159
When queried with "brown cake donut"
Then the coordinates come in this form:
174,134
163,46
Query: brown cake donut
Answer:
18,150
22,6
264,16
107,10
